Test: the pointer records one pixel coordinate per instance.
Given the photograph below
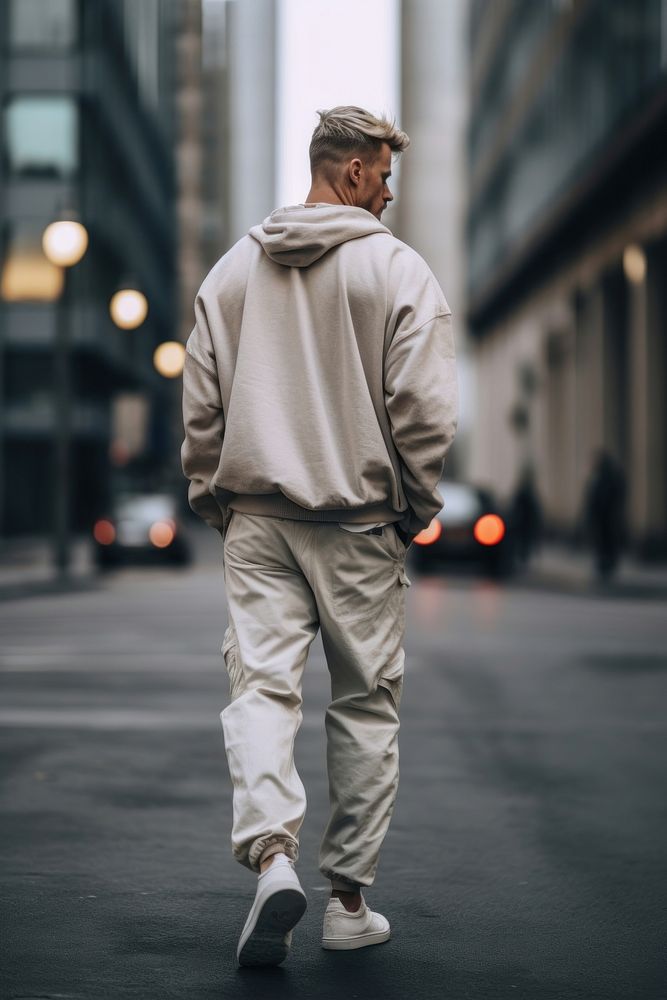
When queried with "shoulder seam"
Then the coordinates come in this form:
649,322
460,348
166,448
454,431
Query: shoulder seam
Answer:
416,329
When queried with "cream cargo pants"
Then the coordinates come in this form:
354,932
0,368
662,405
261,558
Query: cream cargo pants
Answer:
286,579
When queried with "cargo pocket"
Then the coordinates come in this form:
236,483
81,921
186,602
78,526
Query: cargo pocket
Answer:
230,656
401,555
394,685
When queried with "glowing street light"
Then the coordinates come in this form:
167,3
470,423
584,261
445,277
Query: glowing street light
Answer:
169,358
634,264
65,242
128,308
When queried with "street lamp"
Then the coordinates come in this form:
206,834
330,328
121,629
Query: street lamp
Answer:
64,242
169,358
128,308
634,264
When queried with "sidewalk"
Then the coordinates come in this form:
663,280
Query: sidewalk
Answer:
26,567
559,567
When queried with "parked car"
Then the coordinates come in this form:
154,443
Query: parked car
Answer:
470,528
140,528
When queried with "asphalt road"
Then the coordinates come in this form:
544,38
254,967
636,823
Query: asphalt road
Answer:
526,858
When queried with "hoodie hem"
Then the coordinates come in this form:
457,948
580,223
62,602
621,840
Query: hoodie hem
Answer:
277,505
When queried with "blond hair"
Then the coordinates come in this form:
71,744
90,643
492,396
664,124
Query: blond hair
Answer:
345,130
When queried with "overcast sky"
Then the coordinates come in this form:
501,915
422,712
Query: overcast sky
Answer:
330,52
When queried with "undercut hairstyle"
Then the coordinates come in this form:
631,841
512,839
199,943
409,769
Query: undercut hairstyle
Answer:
347,131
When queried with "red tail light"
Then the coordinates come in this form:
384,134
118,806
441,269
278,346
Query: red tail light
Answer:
162,533
104,532
430,534
489,529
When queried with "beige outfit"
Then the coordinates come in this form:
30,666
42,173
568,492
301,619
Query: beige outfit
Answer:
319,402
351,586
320,379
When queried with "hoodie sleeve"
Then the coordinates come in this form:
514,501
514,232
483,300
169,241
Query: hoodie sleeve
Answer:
421,396
203,420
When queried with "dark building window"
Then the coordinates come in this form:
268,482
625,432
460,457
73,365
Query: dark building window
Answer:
42,24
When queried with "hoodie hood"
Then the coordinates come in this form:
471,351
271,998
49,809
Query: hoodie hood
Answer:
298,236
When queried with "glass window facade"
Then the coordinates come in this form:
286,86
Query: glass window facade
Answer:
41,136
558,83
42,24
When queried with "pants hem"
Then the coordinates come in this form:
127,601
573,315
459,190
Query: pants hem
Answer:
266,846
341,882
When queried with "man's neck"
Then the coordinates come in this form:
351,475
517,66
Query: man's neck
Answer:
325,194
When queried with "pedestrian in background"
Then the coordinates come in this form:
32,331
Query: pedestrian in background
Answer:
319,402
526,517
604,513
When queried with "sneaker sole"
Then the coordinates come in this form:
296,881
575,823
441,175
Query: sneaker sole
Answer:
362,941
266,943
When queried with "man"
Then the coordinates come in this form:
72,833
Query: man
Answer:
319,402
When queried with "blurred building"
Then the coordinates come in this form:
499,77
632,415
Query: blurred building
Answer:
214,136
188,151
89,119
252,96
567,231
431,193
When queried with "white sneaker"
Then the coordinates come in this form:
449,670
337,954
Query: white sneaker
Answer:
344,931
279,904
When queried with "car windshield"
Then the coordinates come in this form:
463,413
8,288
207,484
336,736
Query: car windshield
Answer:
144,508
461,501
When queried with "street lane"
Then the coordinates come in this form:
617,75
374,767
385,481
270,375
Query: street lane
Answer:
526,856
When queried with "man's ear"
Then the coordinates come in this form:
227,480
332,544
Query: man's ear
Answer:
354,169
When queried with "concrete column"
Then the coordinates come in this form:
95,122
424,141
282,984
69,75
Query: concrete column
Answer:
615,368
589,383
431,202
562,494
638,500
189,162
656,315
647,486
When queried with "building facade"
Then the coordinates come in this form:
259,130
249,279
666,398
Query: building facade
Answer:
567,236
214,134
430,207
251,108
87,118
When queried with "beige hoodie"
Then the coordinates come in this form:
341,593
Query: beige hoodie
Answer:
320,379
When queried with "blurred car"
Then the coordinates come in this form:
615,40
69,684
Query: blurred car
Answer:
140,528
470,528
